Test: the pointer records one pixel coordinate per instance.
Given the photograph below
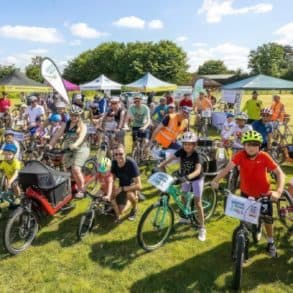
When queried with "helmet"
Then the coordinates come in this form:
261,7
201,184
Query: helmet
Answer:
189,137
186,109
229,115
76,110
33,98
241,116
78,97
23,106
9,132
55,118
267,111
104,165
10,147
163,99
60,104
251,135
115,100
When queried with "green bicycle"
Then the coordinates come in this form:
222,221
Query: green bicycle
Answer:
157,221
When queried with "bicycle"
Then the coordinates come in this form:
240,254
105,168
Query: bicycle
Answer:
157,221
204,118
6,196
285,207
251,214
141,152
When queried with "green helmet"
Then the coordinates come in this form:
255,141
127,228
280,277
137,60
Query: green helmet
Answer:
104,165
251,135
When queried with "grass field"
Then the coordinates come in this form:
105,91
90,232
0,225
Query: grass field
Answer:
110,260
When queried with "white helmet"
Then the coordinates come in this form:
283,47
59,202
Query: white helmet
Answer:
189,137
76,110
186,109
267,111
241,116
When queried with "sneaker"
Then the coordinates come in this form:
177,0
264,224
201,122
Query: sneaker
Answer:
271,250
258,236
132,215
202,234
184,221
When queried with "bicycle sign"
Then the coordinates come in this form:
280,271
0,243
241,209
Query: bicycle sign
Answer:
161,180
243,209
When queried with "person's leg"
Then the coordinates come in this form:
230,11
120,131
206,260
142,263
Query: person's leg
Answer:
270,232
131,196
78,177
198,205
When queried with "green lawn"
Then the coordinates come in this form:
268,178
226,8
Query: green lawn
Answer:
110,260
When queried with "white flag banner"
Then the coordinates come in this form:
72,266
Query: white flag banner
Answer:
52,75
198,86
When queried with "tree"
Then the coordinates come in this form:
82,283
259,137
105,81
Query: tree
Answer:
268,59
6,70
33,70
212,67
127,62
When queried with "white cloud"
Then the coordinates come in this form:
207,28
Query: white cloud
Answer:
215,10
156,24
82,30
75,43
285,34
38,51
181,39
130,22
234,56
199,44
31,33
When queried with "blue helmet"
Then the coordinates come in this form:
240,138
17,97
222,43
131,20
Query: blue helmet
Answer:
10,147
55,118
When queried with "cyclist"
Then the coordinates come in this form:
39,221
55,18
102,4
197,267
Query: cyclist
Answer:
54,125
159,112
186,101
10,139
170,128
10,167
61,110
228,128
264,127
74,132
140,115
254,165
240,128
278,109
252,107
202,104
192,171
126,170
34,111
171,108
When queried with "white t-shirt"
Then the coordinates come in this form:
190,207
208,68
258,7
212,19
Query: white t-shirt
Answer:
237,133
34,113
227,129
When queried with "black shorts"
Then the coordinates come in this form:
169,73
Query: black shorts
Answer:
137,133
121,198
266,210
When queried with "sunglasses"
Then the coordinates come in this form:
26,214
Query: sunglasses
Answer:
253,144
118,154
136,101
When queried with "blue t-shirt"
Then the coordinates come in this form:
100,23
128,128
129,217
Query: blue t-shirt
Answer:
103,105
263,128
157,111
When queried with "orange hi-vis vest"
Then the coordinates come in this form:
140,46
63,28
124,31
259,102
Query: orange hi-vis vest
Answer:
169,133
278,112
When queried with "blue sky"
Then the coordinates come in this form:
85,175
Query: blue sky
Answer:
206,29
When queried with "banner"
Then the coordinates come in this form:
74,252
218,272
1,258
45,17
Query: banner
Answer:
52,75
198,86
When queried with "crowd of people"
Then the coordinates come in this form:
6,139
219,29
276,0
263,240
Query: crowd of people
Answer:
166,123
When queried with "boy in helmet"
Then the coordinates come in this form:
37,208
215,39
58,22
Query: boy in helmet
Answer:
10,166
10,139
192,171
254,166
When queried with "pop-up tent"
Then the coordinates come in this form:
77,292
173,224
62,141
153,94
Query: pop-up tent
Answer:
149,83
101,83
70,86
19,82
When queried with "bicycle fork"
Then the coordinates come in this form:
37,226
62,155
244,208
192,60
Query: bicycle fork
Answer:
159,219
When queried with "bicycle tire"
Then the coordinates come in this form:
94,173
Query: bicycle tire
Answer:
86,224
140,234
7,232
240,255
288,201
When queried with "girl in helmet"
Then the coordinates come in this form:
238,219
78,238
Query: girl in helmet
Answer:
74,133
192,170
254,166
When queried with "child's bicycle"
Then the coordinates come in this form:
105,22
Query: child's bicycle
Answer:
251,214
157,221
6,196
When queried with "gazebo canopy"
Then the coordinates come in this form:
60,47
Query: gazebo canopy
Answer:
260,82
70,86
19,82
209,83
149,83
101,83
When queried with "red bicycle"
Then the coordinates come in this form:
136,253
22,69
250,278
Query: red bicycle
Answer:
46,192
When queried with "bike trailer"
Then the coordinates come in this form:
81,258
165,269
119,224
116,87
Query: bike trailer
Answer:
53,184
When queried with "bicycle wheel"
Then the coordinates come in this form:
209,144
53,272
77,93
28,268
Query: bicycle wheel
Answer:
20,231
136,155
286,200
86,224
240,254
155,226
209,202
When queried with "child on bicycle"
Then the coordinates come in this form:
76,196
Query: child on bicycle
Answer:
10,139
254,166
192,171
10,166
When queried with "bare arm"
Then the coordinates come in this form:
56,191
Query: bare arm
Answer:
195,173
280,180
166,162
134,187
224,172
81,135
58,134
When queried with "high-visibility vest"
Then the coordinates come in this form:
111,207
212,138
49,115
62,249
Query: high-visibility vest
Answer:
278,112
169,133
